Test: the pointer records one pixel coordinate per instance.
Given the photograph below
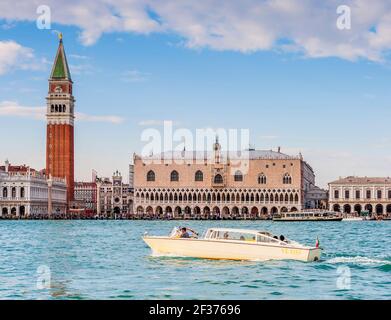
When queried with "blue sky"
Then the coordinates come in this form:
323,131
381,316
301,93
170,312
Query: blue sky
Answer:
333,107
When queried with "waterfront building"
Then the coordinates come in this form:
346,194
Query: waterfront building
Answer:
85,197
195,184
114,197
316,198
60,122
357,194
131,176
27,192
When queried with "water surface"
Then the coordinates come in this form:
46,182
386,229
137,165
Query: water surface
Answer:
108,260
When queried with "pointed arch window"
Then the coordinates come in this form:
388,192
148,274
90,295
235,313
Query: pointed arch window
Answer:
238,177
199,176
218,179
174,176
5,192
262,179
150,176
287,179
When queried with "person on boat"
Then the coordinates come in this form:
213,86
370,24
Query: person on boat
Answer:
282,238
185,233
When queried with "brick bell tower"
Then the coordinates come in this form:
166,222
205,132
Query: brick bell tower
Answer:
60,120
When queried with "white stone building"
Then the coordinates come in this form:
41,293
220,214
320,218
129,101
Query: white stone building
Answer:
25,192
358,194
316,198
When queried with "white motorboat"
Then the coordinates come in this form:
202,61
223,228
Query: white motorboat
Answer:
233,244
353,218
307,216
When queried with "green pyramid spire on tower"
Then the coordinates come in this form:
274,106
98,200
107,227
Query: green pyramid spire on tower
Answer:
60,69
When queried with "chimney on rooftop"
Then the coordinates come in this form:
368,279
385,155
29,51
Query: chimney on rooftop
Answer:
7,165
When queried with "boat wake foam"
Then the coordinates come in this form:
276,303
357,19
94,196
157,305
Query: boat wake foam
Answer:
357,260
158,254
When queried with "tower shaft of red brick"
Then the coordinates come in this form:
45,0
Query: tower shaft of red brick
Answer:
60,123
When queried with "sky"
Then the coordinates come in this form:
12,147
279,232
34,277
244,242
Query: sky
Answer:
283,69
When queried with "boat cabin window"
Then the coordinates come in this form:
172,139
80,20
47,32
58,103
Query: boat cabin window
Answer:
229,235
264,237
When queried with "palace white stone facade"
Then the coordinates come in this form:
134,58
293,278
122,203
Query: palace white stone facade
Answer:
25,192
357,194
191,184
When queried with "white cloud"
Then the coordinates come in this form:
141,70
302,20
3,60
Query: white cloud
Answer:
305,26
135,76
15,56
78,56
92,118
78,69
152,122
13,109
268,137
146,123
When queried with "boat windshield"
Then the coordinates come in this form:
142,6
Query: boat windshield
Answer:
175,232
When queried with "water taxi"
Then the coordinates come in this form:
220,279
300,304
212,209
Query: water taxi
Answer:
233,244
353,218
308,216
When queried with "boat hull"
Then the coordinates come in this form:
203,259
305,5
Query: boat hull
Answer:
215,249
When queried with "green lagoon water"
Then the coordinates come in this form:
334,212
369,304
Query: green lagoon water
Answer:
108,260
